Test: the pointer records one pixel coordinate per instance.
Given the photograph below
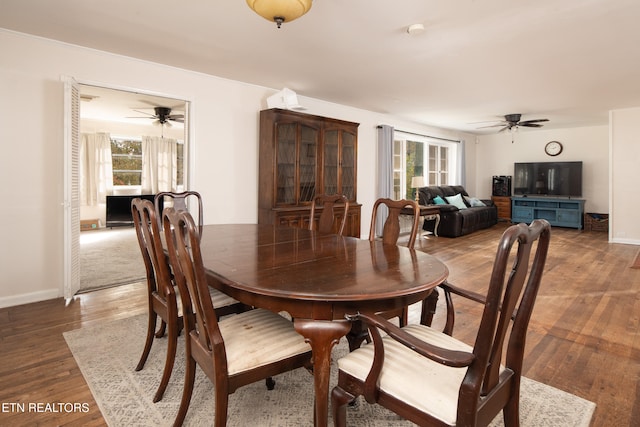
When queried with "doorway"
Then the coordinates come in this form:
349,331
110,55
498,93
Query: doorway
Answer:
110,256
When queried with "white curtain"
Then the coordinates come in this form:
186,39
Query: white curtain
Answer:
96,170
385,171
159,164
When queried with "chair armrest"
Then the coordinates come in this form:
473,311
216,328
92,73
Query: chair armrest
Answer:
430,303
453,358
448,287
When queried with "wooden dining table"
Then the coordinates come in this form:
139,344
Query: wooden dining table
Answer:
317,279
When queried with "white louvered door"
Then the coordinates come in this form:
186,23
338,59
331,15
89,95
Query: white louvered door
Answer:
71,203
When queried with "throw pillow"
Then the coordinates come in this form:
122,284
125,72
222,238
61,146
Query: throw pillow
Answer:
474,201
439,200
456,201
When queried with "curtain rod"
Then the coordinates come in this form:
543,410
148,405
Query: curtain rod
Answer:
426,136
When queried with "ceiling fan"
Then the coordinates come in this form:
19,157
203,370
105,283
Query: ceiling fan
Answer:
512,121
162,116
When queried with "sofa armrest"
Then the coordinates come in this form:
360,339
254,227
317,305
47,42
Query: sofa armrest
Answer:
487,202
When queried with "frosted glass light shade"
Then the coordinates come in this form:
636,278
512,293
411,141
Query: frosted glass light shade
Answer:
280,11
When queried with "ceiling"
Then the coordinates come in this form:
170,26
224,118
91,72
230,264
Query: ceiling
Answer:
112,105
570,61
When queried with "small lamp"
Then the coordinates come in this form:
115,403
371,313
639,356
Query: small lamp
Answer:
280,11
417,182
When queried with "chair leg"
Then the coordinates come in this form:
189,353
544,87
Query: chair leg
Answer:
270,382
403,319
172,345
429,305
161,330
339,401
151,327
511,411
187,391
357,335
222,405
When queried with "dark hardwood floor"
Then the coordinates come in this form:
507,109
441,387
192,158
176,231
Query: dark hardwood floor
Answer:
584,334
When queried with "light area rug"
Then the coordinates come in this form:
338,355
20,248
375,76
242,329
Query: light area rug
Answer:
110,257
108,353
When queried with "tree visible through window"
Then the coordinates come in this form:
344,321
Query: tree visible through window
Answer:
126,156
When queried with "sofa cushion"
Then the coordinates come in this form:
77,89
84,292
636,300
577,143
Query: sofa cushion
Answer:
456,201
474,202
439,200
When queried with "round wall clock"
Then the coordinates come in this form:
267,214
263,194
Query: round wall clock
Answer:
553,148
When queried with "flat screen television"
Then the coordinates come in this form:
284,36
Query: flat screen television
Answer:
562,179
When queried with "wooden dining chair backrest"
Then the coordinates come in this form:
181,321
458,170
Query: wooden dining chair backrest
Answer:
183,245
478,381
180,202
391,229
161,295
330,221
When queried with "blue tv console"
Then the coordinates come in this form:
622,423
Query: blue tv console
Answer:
559,211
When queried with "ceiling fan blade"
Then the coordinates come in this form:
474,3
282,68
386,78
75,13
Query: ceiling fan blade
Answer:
175,116
485,121
504,128
492,126
525,122
144,112
530,125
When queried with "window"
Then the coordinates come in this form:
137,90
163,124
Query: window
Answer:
421,156
126,157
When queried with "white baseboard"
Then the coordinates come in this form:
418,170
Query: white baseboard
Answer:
29,298
625,241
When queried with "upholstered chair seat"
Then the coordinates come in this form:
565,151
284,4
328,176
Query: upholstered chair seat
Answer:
258,337
414,376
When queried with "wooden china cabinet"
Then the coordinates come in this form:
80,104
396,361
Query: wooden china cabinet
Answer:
302,155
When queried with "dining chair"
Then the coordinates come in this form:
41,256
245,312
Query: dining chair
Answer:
233,351
329,217
391,229
179,201
391,234
431,378
224,304
161,291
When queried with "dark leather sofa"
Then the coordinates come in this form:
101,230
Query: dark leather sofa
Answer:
456,222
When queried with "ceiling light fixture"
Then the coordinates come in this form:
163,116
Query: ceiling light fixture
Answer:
280,11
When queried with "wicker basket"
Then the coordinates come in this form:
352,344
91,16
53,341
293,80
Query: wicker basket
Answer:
596,222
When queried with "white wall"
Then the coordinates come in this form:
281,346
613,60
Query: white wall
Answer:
224,137
495,155
624,226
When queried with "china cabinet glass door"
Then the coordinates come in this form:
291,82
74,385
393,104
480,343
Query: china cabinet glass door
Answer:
296,155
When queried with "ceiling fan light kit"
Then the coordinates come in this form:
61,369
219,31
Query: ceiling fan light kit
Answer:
280,11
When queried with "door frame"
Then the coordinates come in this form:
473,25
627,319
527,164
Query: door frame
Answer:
71,205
